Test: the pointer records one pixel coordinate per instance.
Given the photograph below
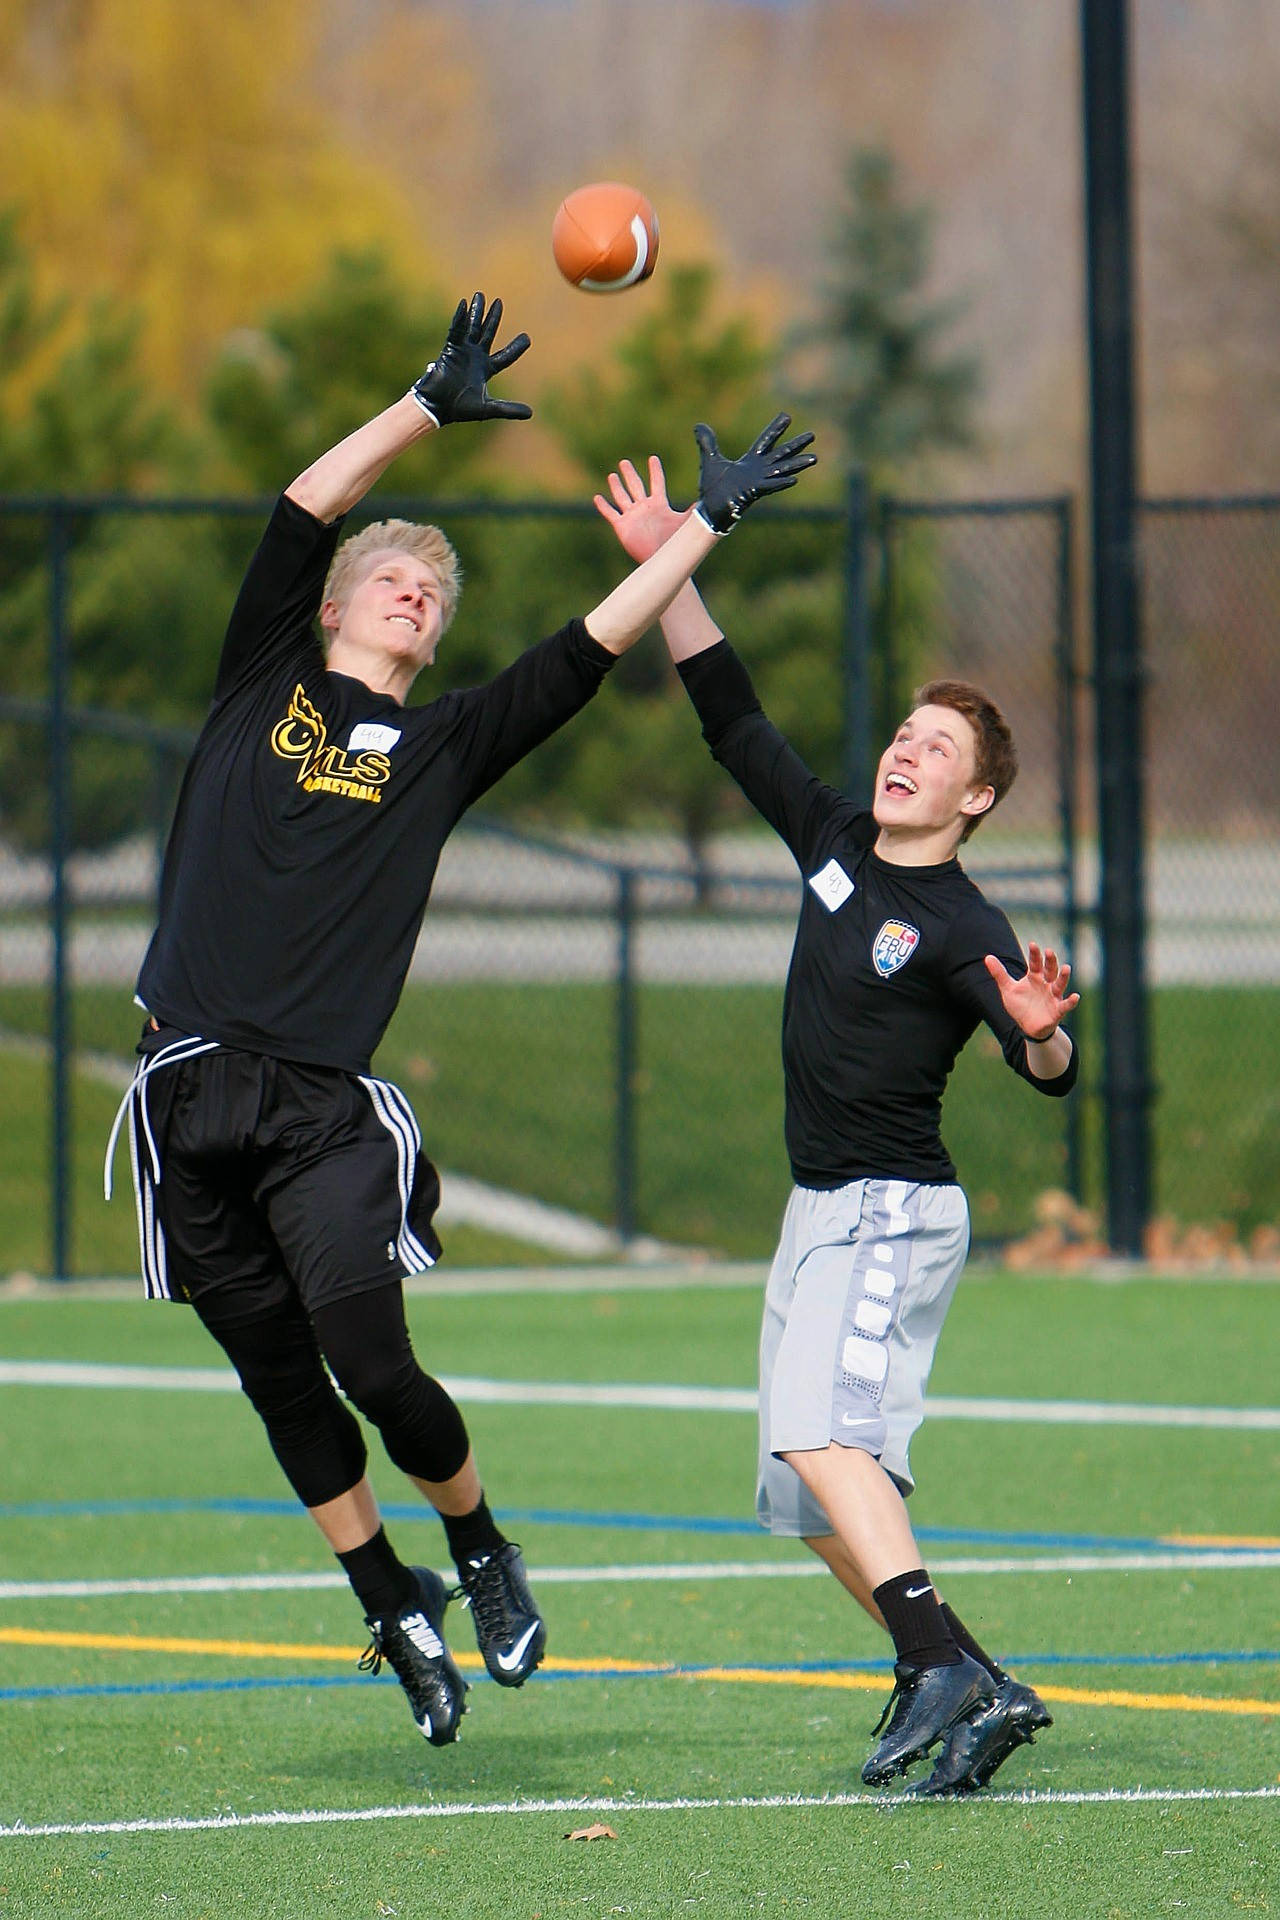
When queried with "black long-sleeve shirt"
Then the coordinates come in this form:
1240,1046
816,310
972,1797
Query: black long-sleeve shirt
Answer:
886,982
313,813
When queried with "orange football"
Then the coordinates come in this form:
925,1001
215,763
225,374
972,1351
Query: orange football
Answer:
605,237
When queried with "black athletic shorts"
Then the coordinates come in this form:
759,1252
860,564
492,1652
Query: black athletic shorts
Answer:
258,1178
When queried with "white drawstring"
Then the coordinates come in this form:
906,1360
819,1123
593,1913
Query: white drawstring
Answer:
177,1050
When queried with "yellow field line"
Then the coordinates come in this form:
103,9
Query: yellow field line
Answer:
1219,1540
1157,1702
1072,1696
155,1643
754,1676
263,1649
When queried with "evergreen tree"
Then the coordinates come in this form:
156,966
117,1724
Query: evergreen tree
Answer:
885,375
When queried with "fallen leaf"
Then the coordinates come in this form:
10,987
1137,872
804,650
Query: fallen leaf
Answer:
593,1832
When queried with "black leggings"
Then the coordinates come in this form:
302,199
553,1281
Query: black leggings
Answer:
280,1357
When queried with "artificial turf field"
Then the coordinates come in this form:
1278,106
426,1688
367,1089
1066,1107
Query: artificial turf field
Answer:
210,1749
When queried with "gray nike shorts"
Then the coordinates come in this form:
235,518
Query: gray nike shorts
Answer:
857,1294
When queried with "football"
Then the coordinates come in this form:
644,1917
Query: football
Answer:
605,237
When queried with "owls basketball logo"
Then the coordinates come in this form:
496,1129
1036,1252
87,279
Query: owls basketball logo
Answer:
893,946
303,736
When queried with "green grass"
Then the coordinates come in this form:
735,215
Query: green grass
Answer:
990,1864
322,1744
516,1085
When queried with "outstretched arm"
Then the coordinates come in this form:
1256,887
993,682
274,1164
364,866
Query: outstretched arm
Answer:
453,388
1039,1002
644,520
670,545
773,777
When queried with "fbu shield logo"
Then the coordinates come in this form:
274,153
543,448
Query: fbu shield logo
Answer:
893,946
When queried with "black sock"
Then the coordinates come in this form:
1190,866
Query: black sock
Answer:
914,1616
472,1535
967,1644
382,1583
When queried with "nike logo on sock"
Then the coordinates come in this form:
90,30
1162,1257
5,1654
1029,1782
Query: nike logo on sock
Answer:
510,1661
916,1593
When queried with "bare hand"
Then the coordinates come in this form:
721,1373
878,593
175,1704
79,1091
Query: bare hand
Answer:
643,521
1039,1002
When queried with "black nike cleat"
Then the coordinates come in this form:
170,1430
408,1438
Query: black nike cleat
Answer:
510,1632
413,1646
925,1703
983,1741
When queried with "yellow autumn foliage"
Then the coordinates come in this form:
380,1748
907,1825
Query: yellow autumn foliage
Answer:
177,156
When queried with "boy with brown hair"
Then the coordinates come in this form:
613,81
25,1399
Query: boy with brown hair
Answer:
897,959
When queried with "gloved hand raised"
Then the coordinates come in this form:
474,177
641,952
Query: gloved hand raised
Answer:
454,386
726,488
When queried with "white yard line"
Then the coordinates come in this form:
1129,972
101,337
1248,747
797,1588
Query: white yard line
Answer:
71,1373
1157,1560
544,1393
462,1809
1102,1413
643,1273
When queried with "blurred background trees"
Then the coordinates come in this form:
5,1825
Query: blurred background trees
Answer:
150,596
232,233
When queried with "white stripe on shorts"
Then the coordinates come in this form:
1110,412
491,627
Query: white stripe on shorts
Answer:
146,1165
397,1116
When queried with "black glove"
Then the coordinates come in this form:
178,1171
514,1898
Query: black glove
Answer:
726,488
453,386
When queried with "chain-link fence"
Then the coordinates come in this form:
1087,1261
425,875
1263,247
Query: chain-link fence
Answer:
1211,578
983,592
590,1031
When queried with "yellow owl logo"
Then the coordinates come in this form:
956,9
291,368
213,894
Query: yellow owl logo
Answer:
303,736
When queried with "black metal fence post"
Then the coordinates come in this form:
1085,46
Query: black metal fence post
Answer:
1117,643
1068,762
60,1034
625,1120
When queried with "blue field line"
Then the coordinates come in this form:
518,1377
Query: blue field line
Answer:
660,1670
248,1508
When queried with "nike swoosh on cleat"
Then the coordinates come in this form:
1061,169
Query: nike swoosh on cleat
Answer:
510,1661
